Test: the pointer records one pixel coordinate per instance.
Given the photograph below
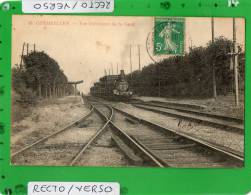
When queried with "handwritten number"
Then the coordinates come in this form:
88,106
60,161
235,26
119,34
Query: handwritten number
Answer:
45,5
98,4
91,5
102,4
60,5
233,3
84,5
52,6
37,6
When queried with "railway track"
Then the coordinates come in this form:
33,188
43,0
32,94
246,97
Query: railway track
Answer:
95,136
197,111
176,149
60,147
119,135
90,136
223,122
43,139
143,143
168,148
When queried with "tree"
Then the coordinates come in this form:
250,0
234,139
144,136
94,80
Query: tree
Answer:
191,74
41,75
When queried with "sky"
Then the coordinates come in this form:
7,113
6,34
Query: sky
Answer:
84,46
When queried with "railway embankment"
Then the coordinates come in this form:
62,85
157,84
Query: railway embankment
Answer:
224,105
45,117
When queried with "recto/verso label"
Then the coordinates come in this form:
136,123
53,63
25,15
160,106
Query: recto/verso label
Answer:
73,188
67,6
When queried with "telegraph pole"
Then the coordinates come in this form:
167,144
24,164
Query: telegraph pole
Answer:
34,47
112,68
131,60
232,66
22,55
117,68
139,57
27,48
236,71
213,61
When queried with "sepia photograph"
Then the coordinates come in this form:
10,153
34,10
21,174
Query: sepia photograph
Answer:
127,91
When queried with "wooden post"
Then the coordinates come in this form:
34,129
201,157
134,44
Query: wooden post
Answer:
64,89
75,89
22,55
45,91
231,67
139,57
39,89
236,71
54,88
213,62
131,60
27,47
74,84
59,91
112,68
50,91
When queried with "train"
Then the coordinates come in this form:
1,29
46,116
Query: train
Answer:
113,87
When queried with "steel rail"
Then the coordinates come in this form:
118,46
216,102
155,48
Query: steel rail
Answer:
187,116
147,153
94,137
238,158
192,111
53,134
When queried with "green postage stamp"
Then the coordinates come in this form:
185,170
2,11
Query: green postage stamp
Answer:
169,36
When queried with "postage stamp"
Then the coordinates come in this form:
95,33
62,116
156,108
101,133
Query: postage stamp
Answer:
169,36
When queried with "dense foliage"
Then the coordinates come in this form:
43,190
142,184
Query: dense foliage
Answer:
40,76
191,74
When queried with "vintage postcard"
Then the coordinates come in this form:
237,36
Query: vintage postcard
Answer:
128,91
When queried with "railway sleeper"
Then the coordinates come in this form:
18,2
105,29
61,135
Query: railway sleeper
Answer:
174,146
164,145
132,121
84,124
195,159
201,165
161,139
127,150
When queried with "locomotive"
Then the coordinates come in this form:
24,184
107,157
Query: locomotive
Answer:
114,87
